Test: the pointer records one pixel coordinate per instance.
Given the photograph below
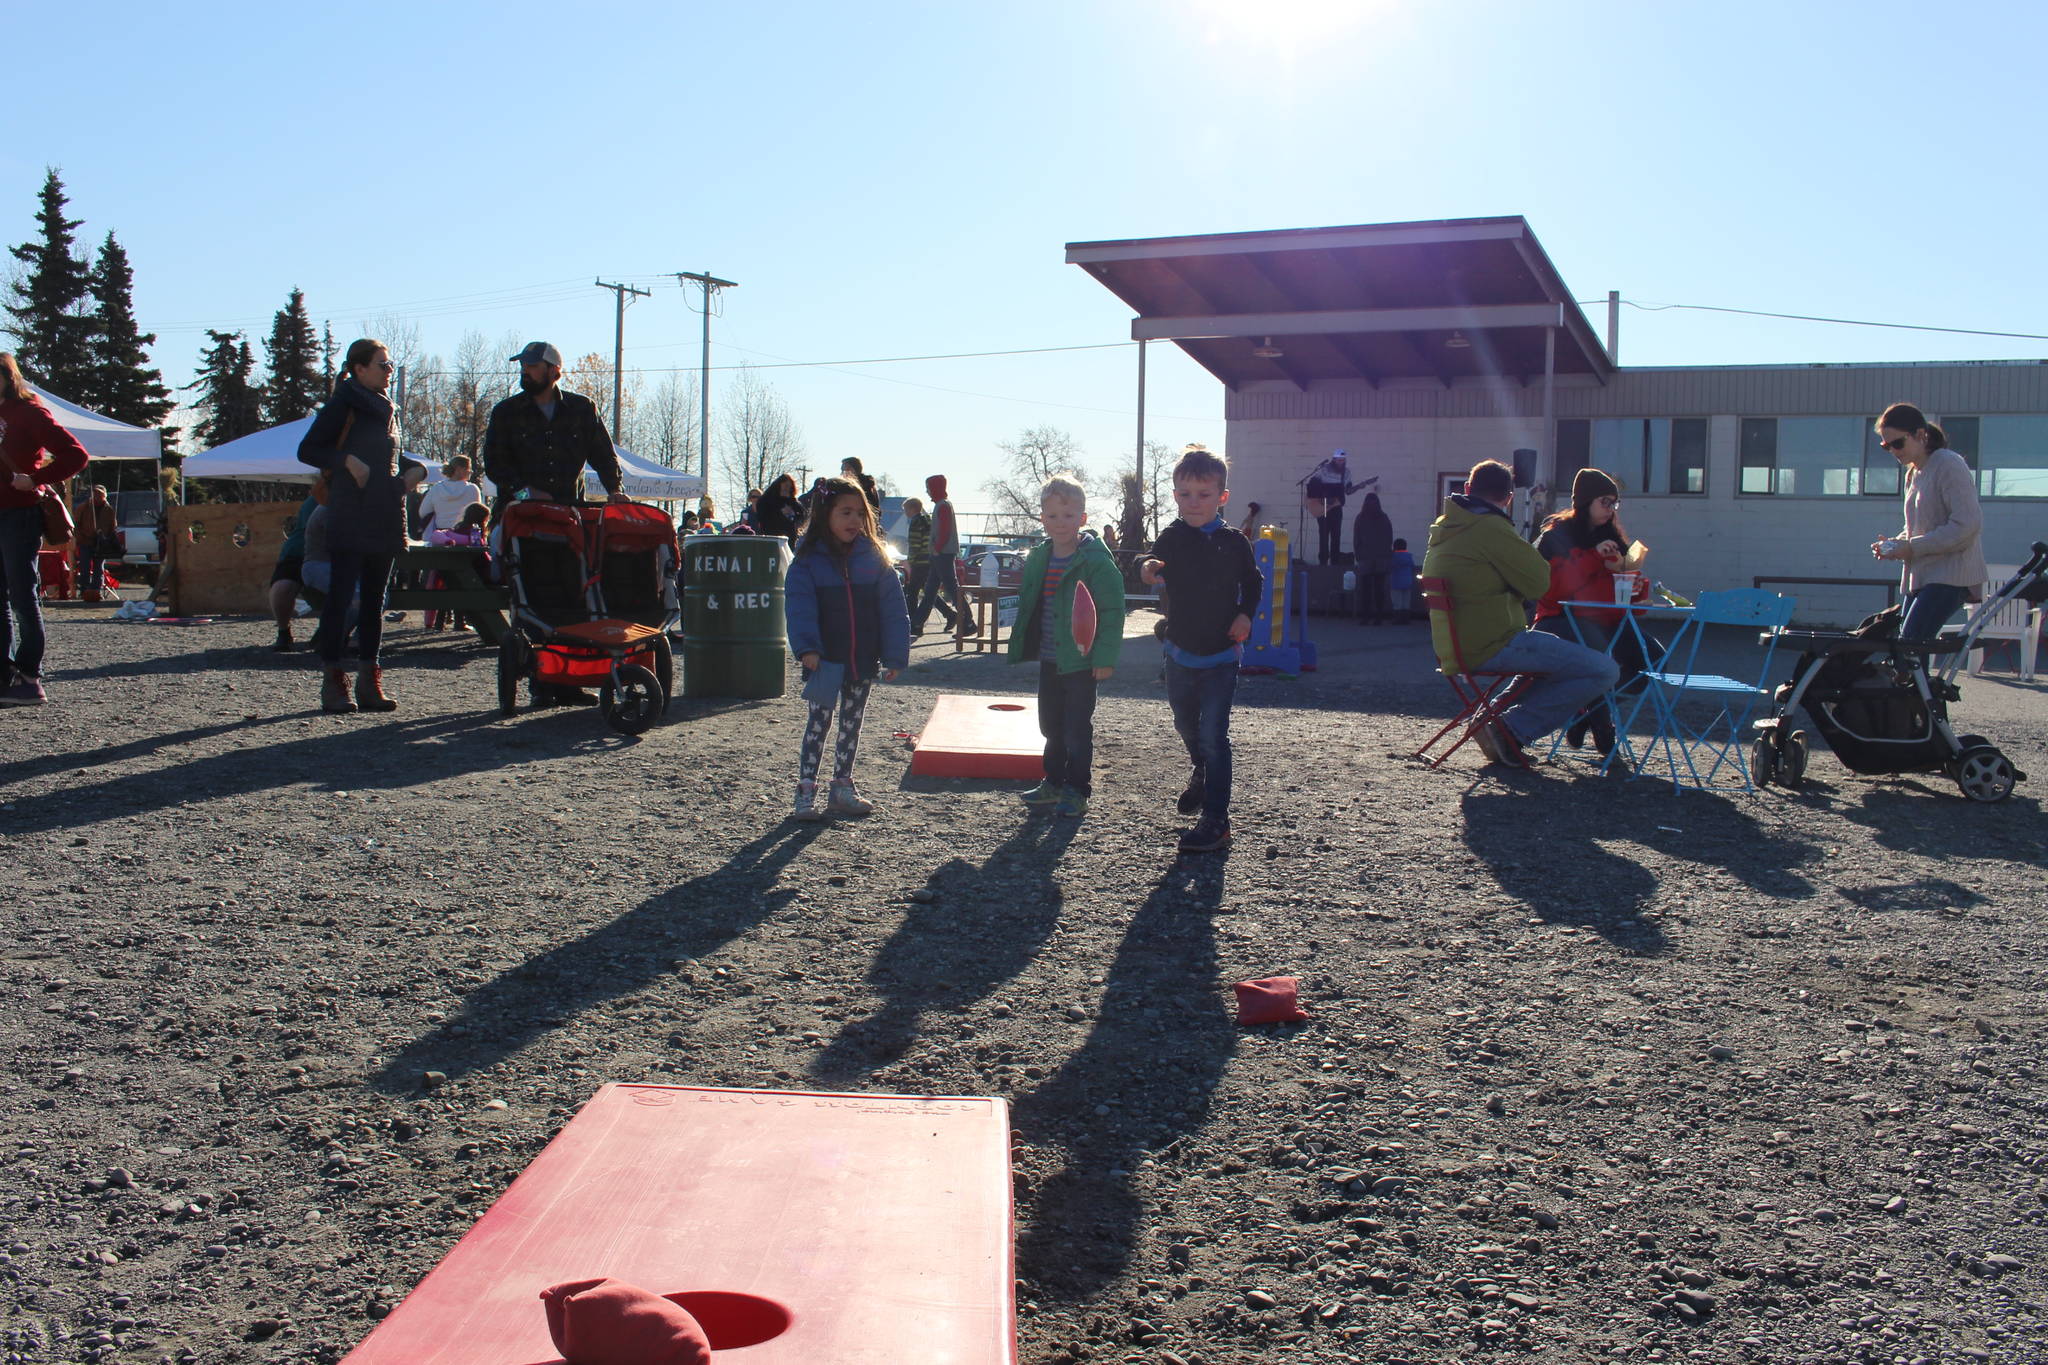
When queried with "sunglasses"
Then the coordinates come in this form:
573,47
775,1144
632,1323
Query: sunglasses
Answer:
1895,444
1609,503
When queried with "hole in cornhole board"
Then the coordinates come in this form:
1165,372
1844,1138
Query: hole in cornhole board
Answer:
731,1320
980,737
866,1227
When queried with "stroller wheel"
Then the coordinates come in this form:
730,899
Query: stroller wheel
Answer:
511,668
634,702
1984,774
1763,759
665,669
1792,761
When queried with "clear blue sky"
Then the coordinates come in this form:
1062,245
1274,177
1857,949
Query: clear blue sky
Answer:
900,179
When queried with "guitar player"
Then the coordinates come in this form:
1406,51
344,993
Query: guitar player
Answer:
1326,488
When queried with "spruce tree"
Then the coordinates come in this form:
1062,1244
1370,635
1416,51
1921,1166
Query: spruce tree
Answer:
46,305
327,351
229,404
295,388
126,387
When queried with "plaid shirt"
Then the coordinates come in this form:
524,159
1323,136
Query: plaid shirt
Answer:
524,449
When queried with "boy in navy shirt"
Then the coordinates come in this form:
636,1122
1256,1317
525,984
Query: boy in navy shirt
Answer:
1213,591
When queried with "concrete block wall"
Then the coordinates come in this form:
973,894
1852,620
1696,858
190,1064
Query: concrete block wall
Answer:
1717,540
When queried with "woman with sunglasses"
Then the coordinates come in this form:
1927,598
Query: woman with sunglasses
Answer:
355,439
1942,545
1585,547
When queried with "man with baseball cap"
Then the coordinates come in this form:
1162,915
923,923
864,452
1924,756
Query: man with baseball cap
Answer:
535,448
540,439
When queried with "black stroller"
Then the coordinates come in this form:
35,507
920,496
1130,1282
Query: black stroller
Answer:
1882,702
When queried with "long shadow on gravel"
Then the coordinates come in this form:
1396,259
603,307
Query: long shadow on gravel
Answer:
983,926
1927,817
1558,862
340,754
1143,1079
698,917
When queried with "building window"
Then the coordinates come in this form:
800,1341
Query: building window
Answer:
1647,454
1807,457
2011,453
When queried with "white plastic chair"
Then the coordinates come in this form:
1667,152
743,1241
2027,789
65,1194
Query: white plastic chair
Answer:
2018,621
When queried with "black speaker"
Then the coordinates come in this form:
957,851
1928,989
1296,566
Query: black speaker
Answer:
1525,468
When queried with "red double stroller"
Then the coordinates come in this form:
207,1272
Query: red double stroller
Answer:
593,599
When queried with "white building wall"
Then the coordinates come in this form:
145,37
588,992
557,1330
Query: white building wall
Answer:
1718,540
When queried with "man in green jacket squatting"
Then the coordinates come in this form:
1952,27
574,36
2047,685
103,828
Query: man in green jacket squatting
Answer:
1492,571
1067,674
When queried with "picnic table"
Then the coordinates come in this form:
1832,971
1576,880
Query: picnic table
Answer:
463,587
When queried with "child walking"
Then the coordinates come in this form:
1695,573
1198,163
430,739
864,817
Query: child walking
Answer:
1213,591
1067,673
843,605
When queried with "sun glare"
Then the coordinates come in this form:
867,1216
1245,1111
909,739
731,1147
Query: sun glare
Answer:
1288,26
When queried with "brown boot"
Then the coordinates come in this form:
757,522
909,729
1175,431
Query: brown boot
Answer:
334,697
370,691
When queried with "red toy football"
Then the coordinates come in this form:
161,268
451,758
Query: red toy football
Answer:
1082,618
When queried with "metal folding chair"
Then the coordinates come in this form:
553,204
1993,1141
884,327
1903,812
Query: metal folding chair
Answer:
1666,688
1482,695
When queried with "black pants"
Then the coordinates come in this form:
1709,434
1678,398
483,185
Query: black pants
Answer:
1329,533
1372,597
1066,717
353,573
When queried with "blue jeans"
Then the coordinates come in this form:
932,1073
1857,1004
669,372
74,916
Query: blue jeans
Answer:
1066,717
942,575
355,577
21,538
1927,609
1571,677
1200,699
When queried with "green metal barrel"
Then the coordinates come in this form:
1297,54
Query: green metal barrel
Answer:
734,641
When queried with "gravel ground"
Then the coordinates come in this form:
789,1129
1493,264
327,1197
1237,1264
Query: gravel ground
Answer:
1594,1071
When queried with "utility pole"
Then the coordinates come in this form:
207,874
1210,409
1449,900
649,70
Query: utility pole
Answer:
711,284
619,351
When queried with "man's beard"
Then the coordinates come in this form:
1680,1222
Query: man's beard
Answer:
528,384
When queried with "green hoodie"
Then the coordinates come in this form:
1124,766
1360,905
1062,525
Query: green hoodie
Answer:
1092,564
1492,572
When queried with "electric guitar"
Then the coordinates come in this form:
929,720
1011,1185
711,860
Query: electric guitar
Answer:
1317,507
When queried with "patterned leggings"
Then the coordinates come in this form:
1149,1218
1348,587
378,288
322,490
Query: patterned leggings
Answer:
853,705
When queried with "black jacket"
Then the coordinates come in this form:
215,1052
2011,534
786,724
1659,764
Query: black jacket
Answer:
524,449
367,518
1211,579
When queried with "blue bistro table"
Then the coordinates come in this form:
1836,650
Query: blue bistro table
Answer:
1670,677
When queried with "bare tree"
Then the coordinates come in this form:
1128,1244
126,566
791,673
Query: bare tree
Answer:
1036,455
591,376
473,382
668,422
1140,512
757,438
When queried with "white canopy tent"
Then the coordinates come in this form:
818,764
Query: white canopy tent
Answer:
274,454
103,437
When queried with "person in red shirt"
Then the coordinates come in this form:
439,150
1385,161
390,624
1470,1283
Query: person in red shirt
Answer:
28,433
1584,548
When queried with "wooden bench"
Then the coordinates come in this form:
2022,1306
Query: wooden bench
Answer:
483,603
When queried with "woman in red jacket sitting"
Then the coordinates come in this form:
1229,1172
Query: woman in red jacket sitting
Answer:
1585,547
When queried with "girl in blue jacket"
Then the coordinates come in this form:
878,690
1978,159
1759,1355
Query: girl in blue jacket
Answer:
847,622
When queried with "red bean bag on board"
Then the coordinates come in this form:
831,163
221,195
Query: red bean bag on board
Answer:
608,1322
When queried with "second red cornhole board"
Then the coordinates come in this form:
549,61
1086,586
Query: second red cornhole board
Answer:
847,1228
981,737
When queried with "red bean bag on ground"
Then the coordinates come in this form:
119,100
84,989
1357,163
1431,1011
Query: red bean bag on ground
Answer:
1270,1000
607,1322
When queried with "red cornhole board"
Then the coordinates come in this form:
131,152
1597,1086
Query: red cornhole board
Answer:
980,737
880,1225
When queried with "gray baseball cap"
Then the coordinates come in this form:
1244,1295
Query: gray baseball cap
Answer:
537,351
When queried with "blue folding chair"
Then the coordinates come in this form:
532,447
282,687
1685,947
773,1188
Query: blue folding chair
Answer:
1682,742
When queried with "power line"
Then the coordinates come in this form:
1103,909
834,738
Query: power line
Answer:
1809,317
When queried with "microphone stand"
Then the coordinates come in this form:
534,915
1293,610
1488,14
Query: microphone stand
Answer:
1301,513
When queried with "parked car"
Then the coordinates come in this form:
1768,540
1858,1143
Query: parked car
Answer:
1009,566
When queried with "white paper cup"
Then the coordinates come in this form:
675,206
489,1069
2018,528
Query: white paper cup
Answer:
1624,588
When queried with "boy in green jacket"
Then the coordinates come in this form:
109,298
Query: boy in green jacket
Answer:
1491,572
1067,674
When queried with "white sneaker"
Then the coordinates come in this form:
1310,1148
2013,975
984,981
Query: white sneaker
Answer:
807,803
847,801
